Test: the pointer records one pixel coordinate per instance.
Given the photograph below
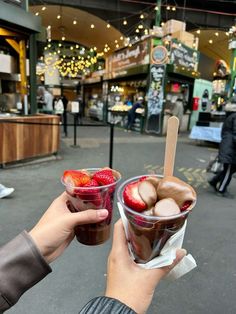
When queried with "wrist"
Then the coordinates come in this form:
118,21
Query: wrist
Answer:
37,238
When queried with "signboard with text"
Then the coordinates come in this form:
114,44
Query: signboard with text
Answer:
129,57
155,98
184,56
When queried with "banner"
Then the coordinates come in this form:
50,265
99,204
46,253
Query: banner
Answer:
155,98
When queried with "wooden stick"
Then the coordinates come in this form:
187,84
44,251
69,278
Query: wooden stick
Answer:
171,142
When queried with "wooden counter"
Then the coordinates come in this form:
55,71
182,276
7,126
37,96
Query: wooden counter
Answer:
19,141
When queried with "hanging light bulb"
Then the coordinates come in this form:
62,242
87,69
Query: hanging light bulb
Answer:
137,30
121,37
43,8
95,48
63,38
168,8
92,26
125,22
136,38
140,26
210,41
59,45
217,34
116,41
49,40
108,25
141,16
117,46
71,48
37,13
77,46
198,31
227,33
58,16
173,8
74,22
156,8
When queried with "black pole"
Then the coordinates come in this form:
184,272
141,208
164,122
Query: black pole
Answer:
75,129
111,144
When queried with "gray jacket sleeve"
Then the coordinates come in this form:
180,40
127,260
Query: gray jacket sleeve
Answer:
105,305
21,267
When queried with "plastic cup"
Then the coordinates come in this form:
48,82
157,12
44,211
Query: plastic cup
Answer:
83,198
148,234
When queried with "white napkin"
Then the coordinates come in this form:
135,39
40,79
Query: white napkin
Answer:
168,253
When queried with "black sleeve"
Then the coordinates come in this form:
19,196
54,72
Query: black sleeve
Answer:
234,128
105,305
21,267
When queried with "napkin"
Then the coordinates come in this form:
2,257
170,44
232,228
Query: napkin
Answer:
168,253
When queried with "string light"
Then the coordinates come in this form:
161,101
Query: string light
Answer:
108,25
59,45
173,8
141,16
198,31
210,41
121,37
43,8
156,8
140,26
63,38
58,17
168,8
92,26
117,46
37,13
77,46
217,34
74,22
125,22
137,30
227,33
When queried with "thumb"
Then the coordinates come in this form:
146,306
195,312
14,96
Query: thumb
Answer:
87,216
180,253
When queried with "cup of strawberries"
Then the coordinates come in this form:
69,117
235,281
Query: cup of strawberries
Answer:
91,188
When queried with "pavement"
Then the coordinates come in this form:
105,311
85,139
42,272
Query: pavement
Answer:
80,274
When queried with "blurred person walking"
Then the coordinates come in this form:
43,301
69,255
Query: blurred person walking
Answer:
227,152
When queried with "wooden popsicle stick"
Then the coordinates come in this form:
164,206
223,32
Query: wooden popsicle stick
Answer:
171,142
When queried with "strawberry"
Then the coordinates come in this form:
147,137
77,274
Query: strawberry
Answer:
132,198
104,176
89,194
185,205
76,178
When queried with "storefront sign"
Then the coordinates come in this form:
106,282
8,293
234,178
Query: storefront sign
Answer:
155,98
129,57
159,55
184,56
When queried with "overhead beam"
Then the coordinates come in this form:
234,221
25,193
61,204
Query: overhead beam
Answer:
14,44
6,33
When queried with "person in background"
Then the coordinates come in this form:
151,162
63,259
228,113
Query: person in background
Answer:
5,191
177,109
30,253
227,152
132,113
65,104
46,98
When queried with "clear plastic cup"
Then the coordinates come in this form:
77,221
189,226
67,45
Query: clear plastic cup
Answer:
148,234
83,198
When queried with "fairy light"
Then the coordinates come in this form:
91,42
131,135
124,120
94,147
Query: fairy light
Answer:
217,34
168,8
121,37
140,26
116,41
137,30
198,31
117,46
141,16
173,8
125,22
77,46
156,8
59,45
58,17
210,41
43,8
63,38
74,22
227,33
92,26
108,25
37,13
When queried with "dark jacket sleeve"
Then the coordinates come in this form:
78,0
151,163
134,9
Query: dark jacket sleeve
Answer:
105,305
21,267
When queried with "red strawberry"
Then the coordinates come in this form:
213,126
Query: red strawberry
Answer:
104,176
75,178
185,205
132,197
90,194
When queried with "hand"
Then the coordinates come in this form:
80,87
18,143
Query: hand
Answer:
55,230
128,282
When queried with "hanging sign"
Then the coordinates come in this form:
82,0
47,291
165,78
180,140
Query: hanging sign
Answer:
155,98
159,55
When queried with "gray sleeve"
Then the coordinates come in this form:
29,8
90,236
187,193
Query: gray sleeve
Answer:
21,267
105,305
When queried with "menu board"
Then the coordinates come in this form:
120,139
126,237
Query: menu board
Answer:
184,56
155,98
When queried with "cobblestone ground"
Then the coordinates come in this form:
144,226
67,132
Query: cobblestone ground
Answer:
80,273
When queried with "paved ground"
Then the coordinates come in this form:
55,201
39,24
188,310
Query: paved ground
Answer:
81,272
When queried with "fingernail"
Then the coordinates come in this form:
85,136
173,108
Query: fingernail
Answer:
102,213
